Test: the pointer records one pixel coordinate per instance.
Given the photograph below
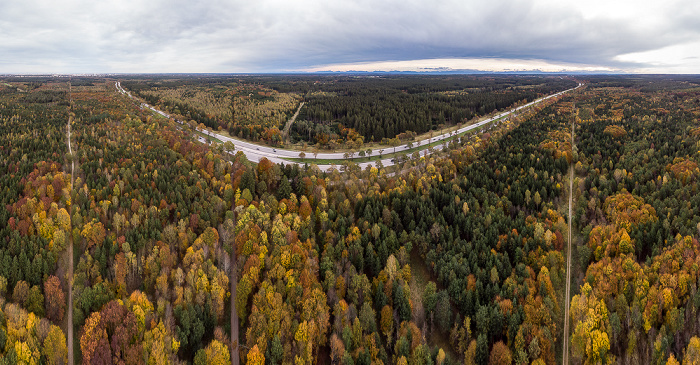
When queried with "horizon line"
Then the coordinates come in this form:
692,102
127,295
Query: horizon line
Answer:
355,72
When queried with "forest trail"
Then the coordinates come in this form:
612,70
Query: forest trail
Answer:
565,340
70,151
291,120
71,359
234,313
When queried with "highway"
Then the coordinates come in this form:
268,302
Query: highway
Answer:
255,152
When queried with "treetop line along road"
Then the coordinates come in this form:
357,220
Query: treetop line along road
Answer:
255,152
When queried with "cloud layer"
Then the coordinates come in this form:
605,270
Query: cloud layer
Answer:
81,36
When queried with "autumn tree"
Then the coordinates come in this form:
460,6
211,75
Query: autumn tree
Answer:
254,356
589,339
500,354
215,353
387,322
54,349
692,352
54,298
114,325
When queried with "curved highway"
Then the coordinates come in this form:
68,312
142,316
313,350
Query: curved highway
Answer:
255,152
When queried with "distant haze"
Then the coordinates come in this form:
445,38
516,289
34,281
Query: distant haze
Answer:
132,36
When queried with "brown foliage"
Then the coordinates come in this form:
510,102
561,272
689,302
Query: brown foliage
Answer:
111,335
500,354
55,299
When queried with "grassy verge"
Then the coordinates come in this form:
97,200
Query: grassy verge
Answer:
206,136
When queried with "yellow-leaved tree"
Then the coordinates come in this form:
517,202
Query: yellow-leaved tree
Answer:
589,341
692,353
255,357
55,350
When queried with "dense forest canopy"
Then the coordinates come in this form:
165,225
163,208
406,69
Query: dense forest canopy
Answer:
384,107
339,109
183,252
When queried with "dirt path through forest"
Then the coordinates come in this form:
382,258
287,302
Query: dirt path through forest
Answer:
565,340
71,359
69,274
291,120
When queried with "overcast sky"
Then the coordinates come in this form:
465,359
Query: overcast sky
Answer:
134,36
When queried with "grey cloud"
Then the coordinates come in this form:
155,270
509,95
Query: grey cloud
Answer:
415,30
272,35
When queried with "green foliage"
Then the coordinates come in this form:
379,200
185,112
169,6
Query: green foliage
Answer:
200,358
387,107
443,311
276,351
429,297
35,301
45,96
482,350
284,189
192,323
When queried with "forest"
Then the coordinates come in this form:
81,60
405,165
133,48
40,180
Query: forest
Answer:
237,105
339,110
185,253
636,211
384,107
